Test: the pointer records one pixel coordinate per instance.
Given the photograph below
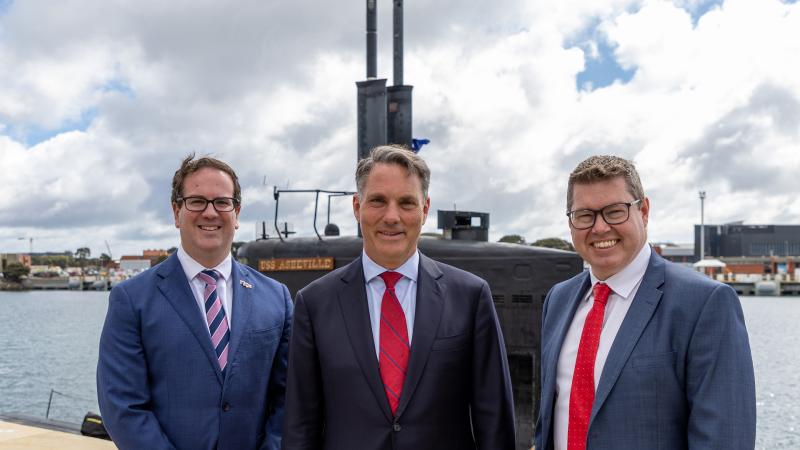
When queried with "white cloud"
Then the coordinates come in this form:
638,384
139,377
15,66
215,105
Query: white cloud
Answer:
269,87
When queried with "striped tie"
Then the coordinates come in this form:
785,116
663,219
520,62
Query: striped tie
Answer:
215,316
394,344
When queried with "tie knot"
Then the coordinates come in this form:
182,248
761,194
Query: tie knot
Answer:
209,276
601,292
391,278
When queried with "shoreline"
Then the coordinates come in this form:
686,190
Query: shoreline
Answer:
12,286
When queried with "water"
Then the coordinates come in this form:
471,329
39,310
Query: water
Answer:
773,324
50,342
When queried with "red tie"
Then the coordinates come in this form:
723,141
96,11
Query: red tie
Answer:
393,342
581,396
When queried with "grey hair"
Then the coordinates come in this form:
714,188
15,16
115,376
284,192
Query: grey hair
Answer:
393,154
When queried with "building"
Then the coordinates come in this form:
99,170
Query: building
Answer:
155,256
134,263
737,240
678,253
10,258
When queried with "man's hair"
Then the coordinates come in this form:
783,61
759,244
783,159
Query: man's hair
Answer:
190,165
603,168
393,154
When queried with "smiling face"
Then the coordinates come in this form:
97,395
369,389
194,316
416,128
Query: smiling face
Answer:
391,211
207,235
609,248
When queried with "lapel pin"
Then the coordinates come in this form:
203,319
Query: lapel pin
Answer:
245,284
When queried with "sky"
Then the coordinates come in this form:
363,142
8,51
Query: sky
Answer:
101,99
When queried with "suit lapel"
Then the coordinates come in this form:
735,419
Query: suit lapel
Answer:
241,304
175,288
355,313
642,308
428,314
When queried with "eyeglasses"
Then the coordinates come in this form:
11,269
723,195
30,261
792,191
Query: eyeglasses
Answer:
199,204
613,214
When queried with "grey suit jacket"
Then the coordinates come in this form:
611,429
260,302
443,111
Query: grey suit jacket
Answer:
679,374
457,392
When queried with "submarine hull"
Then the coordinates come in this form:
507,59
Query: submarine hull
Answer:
519,277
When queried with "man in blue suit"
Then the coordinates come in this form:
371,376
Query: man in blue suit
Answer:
193,353
638,353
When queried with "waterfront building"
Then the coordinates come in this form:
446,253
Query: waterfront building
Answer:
682,254
737,240
10,258
134,263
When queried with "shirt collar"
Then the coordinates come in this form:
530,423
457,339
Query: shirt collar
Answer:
408,269
624,281
191,267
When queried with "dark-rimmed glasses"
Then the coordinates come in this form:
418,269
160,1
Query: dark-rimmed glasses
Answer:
199,204
613,214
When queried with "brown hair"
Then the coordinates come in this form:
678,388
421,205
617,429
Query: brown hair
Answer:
190,165
393,154
602,168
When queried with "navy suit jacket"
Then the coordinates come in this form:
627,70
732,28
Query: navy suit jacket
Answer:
158,380
679,374
457,392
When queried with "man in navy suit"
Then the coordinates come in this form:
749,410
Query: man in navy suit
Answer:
638,353
193,353
396,351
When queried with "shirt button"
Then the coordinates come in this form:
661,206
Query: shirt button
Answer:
396,427
226,406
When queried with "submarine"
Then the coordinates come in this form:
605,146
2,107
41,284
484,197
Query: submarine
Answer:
519,275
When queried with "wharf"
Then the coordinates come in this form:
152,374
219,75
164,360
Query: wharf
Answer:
21,433
783,288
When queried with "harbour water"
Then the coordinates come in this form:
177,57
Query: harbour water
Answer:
49,341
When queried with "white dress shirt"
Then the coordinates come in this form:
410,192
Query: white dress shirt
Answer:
224,287
624,285
405,289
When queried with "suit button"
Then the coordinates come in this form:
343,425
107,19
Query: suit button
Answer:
226,407
396,427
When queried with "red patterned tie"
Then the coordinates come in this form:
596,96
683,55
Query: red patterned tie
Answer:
581,395
394,346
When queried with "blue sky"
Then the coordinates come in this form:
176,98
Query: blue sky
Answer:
603,69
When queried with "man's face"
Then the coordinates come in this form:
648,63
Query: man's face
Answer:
391,211
206,235
609,248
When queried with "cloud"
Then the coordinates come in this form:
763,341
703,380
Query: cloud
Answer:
96,114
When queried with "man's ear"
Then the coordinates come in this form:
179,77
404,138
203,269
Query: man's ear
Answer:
356,207
175,212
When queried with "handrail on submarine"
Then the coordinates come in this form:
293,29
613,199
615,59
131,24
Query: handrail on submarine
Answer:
276,193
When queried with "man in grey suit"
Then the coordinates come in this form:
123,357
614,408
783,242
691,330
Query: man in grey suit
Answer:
637,352
396,351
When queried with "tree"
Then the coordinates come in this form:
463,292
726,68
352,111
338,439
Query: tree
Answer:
83,253
554,242
105,260
512,239
15,271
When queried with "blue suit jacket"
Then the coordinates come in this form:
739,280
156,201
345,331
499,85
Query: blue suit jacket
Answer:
158,380
457,392
679,374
